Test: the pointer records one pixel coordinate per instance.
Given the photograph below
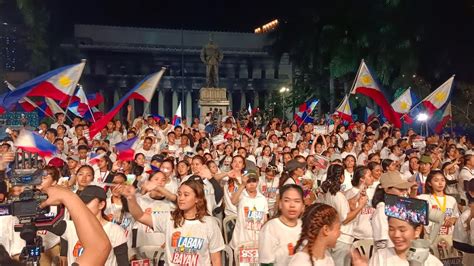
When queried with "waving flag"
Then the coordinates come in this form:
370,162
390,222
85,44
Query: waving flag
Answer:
143,91
95,99
250,109
369,114
446,116
32,142
52,107
403,104
125,149
438,97
26,104
95,158
365,84
304,111
177,116
344,110
83,104
158,118
58,84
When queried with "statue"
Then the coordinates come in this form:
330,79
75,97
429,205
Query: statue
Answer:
211,55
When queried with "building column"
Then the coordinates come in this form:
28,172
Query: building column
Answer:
243,100
115,100
229,97
174,103
189,107
161,102
256,99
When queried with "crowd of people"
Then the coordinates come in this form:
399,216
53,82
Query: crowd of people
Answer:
281,193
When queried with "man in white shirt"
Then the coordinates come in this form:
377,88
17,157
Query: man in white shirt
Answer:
60,119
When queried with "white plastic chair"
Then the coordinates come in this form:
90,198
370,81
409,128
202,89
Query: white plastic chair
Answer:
232,219
365,247
228,256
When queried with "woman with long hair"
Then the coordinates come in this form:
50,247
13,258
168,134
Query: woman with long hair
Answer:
333,196
191,235
320,230
435,188
232,183
278,237
349,166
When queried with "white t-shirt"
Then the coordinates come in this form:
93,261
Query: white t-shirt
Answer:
145,235
191,244
347,181
251,215
379,223
229,190
460,232
277,242
451,211
114,232
269,189
340,203
302,259
388,257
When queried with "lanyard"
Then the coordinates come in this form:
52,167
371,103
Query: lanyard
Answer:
442,207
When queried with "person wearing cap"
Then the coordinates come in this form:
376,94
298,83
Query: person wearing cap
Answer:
294,171
252,210
422,175
391,183
95,199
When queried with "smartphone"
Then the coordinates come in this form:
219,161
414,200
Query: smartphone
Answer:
407,209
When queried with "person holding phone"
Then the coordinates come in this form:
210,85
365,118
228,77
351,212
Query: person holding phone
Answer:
402,234
393,184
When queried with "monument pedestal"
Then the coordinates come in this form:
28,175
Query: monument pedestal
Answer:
212,98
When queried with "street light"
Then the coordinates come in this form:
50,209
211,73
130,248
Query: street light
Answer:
284,91
423,118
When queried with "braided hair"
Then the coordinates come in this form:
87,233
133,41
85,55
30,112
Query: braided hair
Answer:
314,219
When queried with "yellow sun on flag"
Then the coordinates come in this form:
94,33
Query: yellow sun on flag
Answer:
440,96
347,109
366,79
64,81
404,105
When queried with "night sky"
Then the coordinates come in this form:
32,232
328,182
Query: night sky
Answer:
197,15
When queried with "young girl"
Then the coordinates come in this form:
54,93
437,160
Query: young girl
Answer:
268,185
252,210
437,199
401,233
232,183
333,196
191,236
349,166
321,228
278,236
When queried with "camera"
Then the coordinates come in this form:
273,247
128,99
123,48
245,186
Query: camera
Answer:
26,207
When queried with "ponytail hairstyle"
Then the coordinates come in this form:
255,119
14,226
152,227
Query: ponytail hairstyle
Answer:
358,174
332,184
314,219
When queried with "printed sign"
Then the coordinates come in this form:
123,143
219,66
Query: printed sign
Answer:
248,255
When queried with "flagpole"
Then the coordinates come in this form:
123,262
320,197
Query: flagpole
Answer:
92,114
357,75
73,93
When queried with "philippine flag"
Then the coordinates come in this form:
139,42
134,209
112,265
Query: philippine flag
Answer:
25,103
125,149
143,91
403,104
344,110
94,158
32,142
58,84
439,97
366,85
445,117
177,116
